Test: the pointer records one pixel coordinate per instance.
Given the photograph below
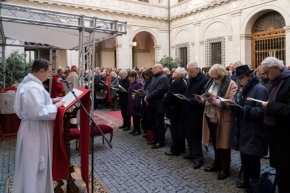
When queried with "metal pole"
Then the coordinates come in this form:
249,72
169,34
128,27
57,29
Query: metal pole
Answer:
169,29
4,66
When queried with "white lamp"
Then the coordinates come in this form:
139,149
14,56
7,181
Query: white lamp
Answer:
134,43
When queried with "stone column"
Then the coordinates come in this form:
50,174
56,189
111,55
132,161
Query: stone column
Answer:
118,55
196,53
157,53
201,58
287,46
234,51
246,48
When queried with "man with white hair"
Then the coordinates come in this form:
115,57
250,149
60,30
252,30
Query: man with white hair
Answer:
190,124
154,100
235,65
277,119
123,100
173,110
168,74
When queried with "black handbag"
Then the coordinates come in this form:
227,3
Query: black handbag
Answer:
263,184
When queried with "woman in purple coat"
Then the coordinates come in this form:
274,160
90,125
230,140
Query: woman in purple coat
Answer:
134,102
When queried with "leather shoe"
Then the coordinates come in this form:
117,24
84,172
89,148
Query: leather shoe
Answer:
132,132
197,164
248,190
121,127
151,143
157,145
242,185
136,133
188,156
170,153
126,129
145,136
210,168
223,175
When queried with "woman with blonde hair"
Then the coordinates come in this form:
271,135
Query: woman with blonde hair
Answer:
217,119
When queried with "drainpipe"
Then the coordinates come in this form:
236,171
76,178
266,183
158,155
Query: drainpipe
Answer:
169,28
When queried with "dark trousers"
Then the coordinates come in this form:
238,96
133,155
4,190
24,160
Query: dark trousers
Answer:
222,157
158,127
126,117
146,125
283,180
195,149
178,142
136,122
115,102
251,166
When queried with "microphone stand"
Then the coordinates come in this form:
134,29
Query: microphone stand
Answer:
93,124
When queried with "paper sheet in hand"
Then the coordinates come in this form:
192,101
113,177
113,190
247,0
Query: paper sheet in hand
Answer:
206,96
139,91
180,96
70,97
122,88
229,102
259,101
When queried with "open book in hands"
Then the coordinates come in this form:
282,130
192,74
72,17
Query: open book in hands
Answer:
180,96
69,97
229,102
259,101
206,96
140,92
122,88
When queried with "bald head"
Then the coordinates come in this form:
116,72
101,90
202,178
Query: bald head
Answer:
157,68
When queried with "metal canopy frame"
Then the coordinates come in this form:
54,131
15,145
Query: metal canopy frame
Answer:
87,27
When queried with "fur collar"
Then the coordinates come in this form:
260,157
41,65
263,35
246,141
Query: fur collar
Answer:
251,83
224,85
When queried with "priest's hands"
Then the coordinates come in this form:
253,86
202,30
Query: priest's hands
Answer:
59,104
57,99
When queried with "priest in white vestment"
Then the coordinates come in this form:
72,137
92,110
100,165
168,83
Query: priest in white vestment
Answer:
35,108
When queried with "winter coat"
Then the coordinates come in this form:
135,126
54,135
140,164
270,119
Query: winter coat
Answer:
253,136
279,140
174,104
115,84
145,113
134,100
158,87
190,124
224,132
123,96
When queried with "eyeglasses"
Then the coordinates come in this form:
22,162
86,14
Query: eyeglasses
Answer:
266,72
216,78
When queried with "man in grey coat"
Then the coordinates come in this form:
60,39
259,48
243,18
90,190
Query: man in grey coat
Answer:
154,101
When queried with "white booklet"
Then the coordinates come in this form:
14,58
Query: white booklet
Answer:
259,101
70,97
180,96
122,88
229,102
206,96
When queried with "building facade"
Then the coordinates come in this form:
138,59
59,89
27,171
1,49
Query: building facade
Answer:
205,31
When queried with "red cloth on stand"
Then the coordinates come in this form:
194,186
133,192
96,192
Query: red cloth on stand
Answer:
60,165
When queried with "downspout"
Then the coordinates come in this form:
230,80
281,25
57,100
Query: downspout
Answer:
169,29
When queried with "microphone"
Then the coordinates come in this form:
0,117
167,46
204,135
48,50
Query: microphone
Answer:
59,80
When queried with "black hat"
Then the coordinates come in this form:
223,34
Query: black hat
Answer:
243,70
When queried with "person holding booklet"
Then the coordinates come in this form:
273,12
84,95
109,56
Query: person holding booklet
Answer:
217,119
190,124
250,133
277,119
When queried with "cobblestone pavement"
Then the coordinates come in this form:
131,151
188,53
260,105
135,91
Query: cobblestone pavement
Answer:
132,166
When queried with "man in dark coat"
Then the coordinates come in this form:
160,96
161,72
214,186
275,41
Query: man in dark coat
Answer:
234,76
154,100
173,110
190,124
97,85
253,140
277,118
123,100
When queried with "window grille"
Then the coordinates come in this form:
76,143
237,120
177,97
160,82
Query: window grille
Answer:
144,1
183,56
215,51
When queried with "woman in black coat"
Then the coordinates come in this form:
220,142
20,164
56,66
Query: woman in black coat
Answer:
173,110
252,134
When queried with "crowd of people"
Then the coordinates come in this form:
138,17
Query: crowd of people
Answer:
252,127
